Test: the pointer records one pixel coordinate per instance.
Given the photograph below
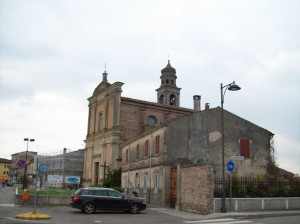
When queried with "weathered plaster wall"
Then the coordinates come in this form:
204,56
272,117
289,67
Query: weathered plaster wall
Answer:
198,138
197,189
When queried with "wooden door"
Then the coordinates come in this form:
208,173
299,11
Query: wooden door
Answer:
173,186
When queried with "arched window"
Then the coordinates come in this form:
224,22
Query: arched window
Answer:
161,98
172,99
100,124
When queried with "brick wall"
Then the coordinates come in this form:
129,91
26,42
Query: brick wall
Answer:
197,189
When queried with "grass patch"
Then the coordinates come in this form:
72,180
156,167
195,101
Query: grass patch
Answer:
50,192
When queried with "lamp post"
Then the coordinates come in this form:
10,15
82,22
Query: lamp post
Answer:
232,87
25,170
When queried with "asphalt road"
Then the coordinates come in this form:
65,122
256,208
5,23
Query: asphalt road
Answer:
152,215
290,219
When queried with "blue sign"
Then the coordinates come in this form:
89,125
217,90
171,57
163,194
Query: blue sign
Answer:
73,179
230,166
21,163
44,168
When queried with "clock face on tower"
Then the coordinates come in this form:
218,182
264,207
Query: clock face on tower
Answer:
151,121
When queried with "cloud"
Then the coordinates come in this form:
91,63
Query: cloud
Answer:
52,56
47,117
288,153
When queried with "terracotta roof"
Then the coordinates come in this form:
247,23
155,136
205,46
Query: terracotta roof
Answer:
2,160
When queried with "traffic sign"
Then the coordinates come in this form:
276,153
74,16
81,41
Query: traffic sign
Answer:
239,158
230,166
21,163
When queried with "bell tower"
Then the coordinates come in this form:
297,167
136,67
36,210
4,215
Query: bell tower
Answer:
168,93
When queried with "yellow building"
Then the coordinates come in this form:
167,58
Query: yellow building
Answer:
4,169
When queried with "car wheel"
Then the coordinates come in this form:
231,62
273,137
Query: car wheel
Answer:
89,208
134,208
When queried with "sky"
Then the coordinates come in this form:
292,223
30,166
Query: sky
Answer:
53,54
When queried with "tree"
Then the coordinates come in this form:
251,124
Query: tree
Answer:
272,167
113,178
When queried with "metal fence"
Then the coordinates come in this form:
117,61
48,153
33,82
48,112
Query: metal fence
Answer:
239,187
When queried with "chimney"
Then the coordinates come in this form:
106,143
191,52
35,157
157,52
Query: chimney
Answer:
197,99
207,106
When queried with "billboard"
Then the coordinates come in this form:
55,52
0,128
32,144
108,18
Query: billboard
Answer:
55,179
72,179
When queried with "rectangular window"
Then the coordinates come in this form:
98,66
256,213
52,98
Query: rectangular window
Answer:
146,148
145,188
126,183
245,148
156,183
157,138
126,156
100,124
136,182
137,153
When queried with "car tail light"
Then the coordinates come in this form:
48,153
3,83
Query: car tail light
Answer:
75,198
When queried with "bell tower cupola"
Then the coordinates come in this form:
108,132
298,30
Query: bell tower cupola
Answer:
168,93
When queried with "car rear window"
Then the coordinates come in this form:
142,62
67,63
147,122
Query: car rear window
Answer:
77,192
87,192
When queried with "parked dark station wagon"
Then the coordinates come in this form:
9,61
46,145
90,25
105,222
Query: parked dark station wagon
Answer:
88,200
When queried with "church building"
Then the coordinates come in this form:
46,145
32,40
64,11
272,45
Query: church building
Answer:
148,140
114,119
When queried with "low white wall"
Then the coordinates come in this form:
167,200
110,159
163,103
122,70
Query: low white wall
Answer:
258,204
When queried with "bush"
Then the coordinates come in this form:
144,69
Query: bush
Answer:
260,186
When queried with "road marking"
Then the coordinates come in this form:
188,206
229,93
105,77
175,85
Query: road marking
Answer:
97,221
210,220
221,221
7,205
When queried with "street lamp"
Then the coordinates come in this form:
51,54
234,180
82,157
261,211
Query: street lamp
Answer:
25,170
232,87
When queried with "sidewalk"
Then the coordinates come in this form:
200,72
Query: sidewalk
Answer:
190,215
7,196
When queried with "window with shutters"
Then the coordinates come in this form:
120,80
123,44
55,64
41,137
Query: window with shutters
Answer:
146,149
126,156
157,140
245,148
137,152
